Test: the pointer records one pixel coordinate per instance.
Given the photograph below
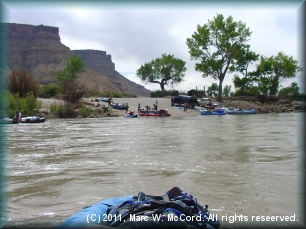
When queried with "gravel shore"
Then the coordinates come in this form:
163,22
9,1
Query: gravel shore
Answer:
165,103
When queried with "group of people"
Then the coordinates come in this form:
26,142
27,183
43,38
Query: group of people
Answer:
148,108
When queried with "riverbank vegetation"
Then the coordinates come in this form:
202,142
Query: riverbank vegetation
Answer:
23,89
163,70
109,94
26,105
21,93
221,46
164,93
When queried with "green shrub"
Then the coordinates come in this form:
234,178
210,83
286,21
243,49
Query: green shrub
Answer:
84,111
107,113
63,111
26,106
159,93
95,112
112,94
48,91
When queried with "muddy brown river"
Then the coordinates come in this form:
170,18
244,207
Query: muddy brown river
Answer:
247,168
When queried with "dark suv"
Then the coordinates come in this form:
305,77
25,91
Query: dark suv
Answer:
181,99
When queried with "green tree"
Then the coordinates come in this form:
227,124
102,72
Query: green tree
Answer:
67,80
272,70
217,44
48,91
213,89
245,85
244,58
227,90
162,71
291,92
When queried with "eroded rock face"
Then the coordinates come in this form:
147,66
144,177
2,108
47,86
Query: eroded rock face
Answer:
31,45
98,61
39,50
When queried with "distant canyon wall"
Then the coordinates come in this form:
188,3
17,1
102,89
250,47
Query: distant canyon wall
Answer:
39,50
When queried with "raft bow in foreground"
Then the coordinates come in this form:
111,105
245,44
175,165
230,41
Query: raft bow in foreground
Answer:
174,209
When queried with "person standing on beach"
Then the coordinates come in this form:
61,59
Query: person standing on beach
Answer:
110,100
139,109
185,106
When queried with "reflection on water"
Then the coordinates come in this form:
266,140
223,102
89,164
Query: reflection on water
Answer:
236,164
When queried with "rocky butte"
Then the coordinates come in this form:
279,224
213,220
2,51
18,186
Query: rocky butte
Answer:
38,49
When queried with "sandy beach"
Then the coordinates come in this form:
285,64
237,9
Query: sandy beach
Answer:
162,103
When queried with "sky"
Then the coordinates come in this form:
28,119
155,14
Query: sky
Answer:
137,32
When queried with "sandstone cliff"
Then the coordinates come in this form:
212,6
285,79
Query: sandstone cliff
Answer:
39,50
99,61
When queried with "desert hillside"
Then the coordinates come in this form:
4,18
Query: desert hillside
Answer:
38,49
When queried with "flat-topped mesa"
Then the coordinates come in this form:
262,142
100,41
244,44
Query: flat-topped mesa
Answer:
31,29
38,49
31,45
97,60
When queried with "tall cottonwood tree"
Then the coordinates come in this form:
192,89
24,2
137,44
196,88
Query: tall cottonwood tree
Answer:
163,70
217,45
272,70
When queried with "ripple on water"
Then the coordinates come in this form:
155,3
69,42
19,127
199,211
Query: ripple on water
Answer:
234,164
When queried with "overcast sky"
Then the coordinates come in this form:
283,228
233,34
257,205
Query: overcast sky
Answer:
134,33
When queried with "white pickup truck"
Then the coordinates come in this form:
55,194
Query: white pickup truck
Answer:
204,101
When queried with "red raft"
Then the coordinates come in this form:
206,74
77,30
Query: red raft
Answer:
160,113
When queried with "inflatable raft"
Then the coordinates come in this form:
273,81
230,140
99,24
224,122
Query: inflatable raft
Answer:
32,119
118,106
7,121
29,119
174,209
243,111
160,113
217,112
130,114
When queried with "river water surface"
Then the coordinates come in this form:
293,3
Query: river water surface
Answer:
240,165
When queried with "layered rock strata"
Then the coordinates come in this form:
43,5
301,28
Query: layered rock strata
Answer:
39,50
